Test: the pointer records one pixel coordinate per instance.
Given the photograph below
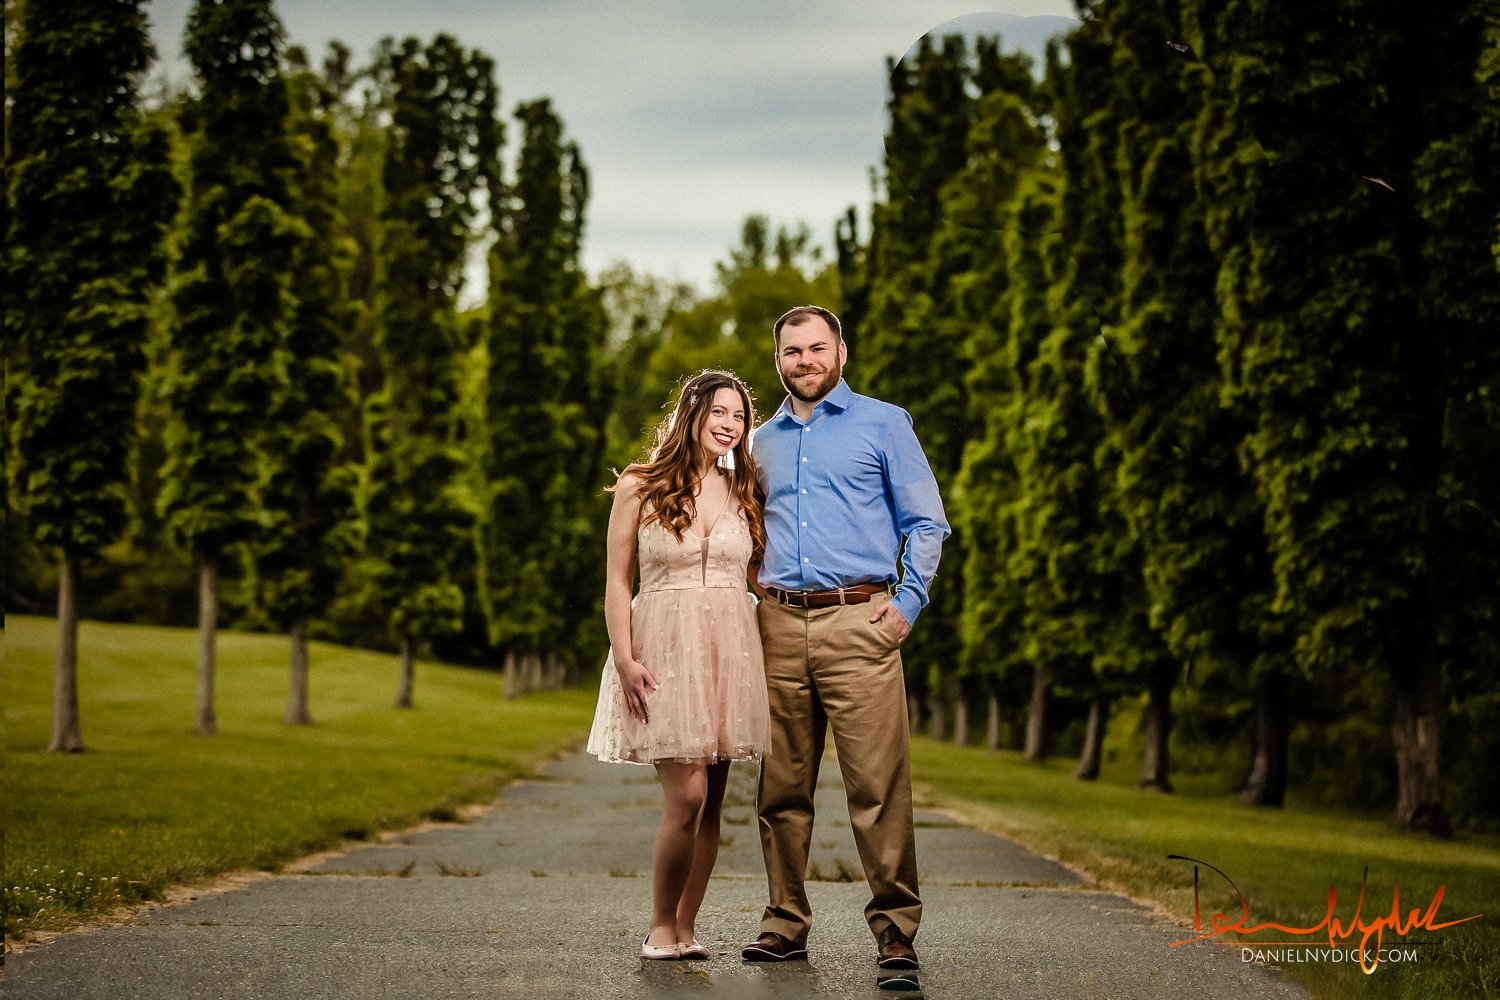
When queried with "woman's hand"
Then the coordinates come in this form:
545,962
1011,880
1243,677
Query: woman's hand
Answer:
638,683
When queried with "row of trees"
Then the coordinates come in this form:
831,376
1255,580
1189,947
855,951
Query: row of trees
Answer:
1196,329
1207,321
277,258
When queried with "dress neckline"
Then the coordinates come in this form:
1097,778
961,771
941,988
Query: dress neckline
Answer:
722,508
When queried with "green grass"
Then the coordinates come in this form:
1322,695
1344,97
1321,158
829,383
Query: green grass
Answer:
1283,860
151,805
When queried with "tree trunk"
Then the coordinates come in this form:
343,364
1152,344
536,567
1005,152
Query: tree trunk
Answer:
1036,715
1415,732
66,735
296,702
408,672
937,719
533,672
961,719
1426,351
1266,785
914,712
1154,767
509,679
207,723
1093,739
992,723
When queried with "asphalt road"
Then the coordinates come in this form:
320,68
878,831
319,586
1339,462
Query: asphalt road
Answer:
547,894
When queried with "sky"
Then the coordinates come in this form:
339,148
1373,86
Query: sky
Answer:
690,114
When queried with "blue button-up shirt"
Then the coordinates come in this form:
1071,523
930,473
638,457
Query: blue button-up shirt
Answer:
843,489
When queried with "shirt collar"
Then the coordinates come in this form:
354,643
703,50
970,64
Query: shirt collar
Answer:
838,399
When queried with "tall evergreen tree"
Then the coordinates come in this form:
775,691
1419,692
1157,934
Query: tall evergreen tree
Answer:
1110,612
547,403
358,120
527,374
1346,338
930,117
351,103
442,156
232,296
308,493
1000,652
988,263
968,268
1181,489
1444,137
1455,193
89,196
575,494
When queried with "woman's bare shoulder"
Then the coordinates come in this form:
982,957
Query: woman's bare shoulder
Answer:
628,484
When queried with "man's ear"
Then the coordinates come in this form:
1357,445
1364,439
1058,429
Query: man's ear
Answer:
843,352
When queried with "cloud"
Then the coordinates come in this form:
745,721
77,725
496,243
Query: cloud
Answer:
690,115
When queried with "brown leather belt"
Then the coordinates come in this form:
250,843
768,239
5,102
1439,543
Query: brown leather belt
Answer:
860,593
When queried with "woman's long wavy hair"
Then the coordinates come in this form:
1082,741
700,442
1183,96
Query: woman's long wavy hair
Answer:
670,471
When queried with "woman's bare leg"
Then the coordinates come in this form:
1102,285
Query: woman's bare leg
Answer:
684,788
705,852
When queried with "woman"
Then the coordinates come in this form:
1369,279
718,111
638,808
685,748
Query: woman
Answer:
684,686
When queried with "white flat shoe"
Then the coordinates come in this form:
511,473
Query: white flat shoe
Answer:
669,951
694,950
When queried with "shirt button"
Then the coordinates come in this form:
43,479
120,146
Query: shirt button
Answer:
806,560
807,430
804,491
804,458
804,524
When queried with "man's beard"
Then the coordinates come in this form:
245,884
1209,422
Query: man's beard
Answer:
820,388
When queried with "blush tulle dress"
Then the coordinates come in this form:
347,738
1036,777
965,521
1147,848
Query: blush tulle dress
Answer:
693,626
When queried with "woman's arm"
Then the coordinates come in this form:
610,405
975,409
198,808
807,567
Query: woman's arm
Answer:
619,575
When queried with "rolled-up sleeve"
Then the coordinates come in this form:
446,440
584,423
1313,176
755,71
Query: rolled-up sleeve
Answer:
919,514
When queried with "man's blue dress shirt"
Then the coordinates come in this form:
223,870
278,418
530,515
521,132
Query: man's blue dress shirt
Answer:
842,490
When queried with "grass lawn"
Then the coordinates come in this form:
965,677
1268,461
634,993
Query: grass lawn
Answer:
1283,860
150,805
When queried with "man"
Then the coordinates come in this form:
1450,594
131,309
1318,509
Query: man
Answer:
845,482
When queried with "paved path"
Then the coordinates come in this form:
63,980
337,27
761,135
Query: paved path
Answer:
547,896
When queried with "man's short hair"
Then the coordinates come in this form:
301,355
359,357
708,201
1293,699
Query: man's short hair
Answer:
800,315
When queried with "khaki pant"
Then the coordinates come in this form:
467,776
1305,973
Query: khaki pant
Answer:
831,666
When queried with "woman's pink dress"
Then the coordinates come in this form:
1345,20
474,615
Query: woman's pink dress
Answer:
693,626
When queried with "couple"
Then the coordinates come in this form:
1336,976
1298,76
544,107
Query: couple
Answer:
700,675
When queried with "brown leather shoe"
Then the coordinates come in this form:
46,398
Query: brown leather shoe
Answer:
896,951
772,947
